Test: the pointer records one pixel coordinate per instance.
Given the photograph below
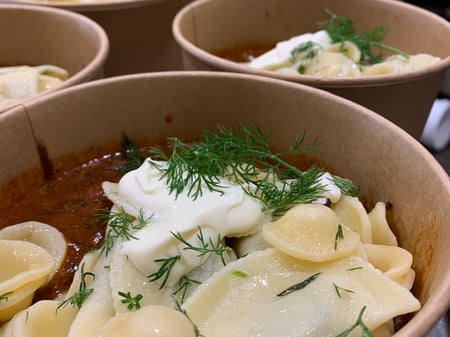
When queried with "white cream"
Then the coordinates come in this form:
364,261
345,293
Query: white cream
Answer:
232,213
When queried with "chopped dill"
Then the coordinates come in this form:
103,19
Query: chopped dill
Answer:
365,332
132,302
298,286
196,329
339,236
305,52
165,270
206,246
120,225
342,29
239,273
133,156
340,289
183,285
83,293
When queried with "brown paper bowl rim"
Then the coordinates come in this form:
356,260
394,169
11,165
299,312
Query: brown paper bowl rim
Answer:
95,6
322,82
92,68
438,302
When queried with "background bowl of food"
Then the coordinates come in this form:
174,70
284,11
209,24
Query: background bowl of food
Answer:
53,50
278,153
139,31
324,60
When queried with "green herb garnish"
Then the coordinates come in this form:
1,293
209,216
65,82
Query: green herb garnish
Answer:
196,329
340,289
5,296
240,157
341,29
134,157
365,332
305,52
132,302
339,236
83,293
165,269
239,273
206,246
184,284
298,286
120,225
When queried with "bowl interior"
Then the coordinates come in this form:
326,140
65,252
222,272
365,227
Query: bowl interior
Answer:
53,36
358,144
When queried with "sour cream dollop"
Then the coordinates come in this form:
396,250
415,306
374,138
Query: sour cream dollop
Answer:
233,213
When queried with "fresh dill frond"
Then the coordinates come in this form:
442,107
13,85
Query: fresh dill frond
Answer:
133,156
281,196
132,302
365,332
298,286
206,246
342,29
83,293
347,187
184,312
120,225
222,154
164,271
183,286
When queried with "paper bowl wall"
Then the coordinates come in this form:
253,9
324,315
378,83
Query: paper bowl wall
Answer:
359,144
32,35
206,26
139,31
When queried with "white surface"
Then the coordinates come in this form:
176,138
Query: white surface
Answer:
436,133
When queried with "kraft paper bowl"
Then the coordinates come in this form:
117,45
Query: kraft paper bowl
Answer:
206,26
359,144
139,31
32,35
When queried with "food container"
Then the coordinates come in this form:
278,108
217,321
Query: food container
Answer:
203,28
355,142
52,37
139,31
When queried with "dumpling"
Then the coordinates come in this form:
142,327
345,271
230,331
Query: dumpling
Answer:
269,294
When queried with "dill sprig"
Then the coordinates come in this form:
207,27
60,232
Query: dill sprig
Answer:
339,236
240,157
347,186
165,270
78,298
365,332
282,196
133,156
304,53
120,225
341,29
184,312
206,246
132,302
298,286
183,286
